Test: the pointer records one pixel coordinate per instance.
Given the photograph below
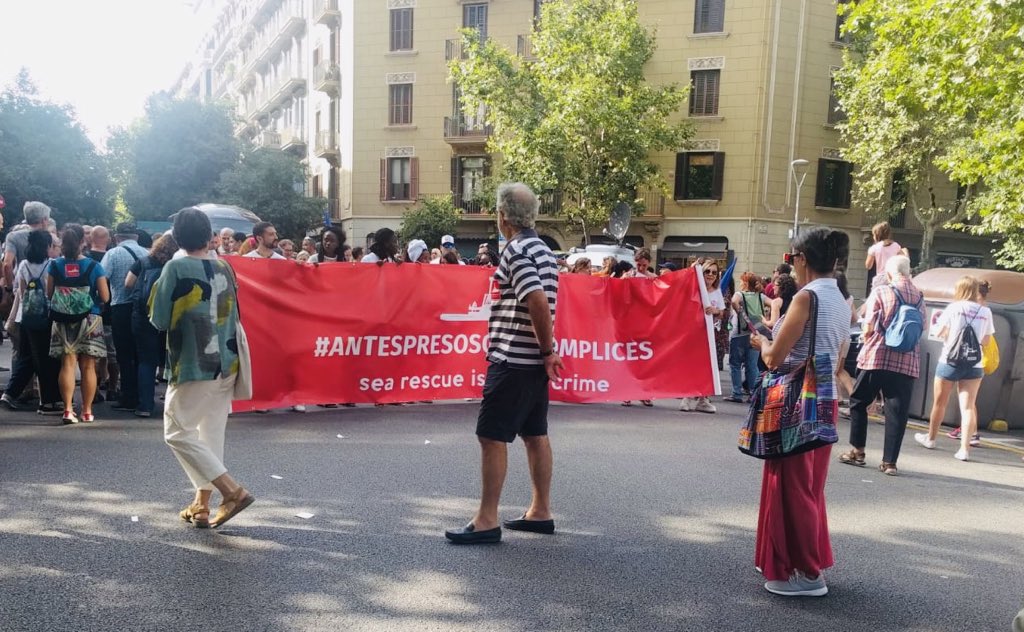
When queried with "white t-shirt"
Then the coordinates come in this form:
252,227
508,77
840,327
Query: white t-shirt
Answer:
255,254
716,300
883,253
316,259
369,258
956,316
210,254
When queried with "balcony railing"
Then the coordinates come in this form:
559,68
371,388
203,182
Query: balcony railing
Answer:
469,206
275,93
268,139
524,47
326,12
550,202
454,48
653,202
457,130
274,37
293,139
327,78
326,145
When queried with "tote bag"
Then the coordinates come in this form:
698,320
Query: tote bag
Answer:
793,412
243,380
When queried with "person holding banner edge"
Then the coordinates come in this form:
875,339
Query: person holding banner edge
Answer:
522,359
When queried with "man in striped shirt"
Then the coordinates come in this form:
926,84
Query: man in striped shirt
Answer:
522,359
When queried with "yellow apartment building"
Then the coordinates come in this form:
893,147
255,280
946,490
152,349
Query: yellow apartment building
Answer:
360,89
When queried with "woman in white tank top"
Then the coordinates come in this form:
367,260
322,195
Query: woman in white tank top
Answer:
793,547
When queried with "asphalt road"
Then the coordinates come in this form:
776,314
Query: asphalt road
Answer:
655,510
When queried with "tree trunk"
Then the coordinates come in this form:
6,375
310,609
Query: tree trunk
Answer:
927,237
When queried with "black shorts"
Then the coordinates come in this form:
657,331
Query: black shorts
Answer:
515,403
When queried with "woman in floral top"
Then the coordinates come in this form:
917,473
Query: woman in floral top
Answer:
195,303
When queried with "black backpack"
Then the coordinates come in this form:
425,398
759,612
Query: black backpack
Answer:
965,352
144,285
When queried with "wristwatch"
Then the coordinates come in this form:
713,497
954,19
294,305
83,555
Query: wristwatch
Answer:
545,354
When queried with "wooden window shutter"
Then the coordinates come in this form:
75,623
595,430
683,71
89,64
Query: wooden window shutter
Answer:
696,85
714,79
847,184
383,179
819,188
716,182
456,179
682,165
414,178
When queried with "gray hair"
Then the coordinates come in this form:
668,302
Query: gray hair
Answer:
518,204
36,212
898,265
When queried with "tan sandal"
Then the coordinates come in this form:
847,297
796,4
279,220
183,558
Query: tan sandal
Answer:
853,457
193,513
232,506
889,469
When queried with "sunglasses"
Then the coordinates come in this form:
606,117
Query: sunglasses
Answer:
711,272
789,257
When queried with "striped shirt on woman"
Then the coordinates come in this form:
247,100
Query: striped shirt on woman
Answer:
833,326
526,266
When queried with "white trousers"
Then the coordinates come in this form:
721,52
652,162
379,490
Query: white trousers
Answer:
195,419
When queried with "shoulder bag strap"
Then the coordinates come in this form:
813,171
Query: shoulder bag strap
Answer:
814,323
131,252
234,283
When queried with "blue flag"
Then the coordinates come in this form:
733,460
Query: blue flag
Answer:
327,218
727,275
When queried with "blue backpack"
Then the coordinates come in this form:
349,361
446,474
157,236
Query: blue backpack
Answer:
906,328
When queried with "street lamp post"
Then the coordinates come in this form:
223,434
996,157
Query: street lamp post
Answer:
798,168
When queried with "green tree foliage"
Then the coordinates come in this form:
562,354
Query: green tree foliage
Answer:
579,116
269,183
933,89
430,220
46,156
174,156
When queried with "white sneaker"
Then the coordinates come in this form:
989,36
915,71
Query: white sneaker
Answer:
799,585
299,408
961,455
922,438
704,405
687,404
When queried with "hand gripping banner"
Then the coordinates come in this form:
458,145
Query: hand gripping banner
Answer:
363,333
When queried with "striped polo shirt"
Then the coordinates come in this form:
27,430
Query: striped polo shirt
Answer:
526,266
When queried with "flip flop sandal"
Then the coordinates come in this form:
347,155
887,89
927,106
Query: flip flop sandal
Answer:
853,457
231,507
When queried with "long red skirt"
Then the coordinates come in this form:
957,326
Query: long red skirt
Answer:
792,526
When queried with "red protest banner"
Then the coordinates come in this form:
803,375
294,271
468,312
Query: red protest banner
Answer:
361,333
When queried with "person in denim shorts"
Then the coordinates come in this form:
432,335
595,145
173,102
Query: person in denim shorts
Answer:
965,311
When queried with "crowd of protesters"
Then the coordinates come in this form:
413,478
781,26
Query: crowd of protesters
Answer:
113,311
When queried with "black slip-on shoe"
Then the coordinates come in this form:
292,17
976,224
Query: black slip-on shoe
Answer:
533,526
469,535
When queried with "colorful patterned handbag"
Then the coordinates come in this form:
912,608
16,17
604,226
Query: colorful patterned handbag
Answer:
793,412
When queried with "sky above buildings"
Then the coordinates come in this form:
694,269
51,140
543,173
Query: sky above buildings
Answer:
104,57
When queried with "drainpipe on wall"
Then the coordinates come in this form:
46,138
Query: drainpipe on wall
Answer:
771,106
796,96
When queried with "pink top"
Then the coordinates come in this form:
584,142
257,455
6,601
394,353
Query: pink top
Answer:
883,253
